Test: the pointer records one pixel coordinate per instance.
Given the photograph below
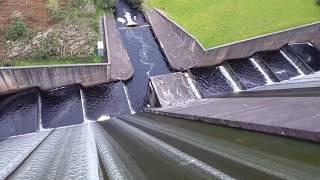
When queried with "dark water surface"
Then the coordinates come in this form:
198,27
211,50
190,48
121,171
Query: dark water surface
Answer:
279,65
105,100
61,107
308,54
147,61
19,113
211,82
247,73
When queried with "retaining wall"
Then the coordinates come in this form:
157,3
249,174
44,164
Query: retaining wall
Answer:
13,79
245,48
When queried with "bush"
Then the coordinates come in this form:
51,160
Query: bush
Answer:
55,12
17,29
318,2
136,3
78,3
107,5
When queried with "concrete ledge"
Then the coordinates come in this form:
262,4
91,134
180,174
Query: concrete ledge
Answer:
245,48
286,116
173,89
121,67
13,79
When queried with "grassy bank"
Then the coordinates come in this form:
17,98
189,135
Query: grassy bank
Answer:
68,34
52,61
217,22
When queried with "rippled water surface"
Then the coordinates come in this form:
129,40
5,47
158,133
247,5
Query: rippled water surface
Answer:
61,107
308,54
147,61
105,100
211,82
279,65
19,113
247,73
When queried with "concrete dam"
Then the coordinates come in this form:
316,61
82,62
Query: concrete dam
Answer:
243,118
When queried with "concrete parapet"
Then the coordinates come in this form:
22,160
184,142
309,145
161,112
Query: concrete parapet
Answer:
172,90
121,67
13,79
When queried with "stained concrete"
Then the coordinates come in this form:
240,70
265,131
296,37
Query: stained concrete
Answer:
121,67
288,116
49,77
173,89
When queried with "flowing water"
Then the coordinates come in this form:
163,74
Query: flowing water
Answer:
34,110
247,73
18,113
279,65
308,54
211,82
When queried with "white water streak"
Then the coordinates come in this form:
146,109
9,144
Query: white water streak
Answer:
192,86
292,63
265,75
128,99
229,78
39,113
83,108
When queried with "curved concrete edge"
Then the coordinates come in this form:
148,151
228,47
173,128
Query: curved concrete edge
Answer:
13,79
269,129
176,53
121,67
244,48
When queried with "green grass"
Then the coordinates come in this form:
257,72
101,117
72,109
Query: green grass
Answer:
52,61
217,22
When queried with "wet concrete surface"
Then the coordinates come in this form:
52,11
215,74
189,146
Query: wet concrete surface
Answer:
61,107
19,113
247,73
211,82
105,100
147,146
308,54
279,65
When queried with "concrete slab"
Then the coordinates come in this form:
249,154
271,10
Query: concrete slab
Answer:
176,51
121,67
173,89
289,116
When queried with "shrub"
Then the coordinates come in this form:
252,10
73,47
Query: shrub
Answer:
318,2
55,12
136,3
107,5
78,3
17,29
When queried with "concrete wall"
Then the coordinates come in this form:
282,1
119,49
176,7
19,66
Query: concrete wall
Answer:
48,77
193,44
245,48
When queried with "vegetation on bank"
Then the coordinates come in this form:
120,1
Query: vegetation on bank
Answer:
216,22
71,37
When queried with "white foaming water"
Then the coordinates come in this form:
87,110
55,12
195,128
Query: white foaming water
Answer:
265,75
103,118
192,86
229,78
39,114
83,108
128,99
123,21
292,63
130,21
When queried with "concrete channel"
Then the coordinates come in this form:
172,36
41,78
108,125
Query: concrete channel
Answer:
244,118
